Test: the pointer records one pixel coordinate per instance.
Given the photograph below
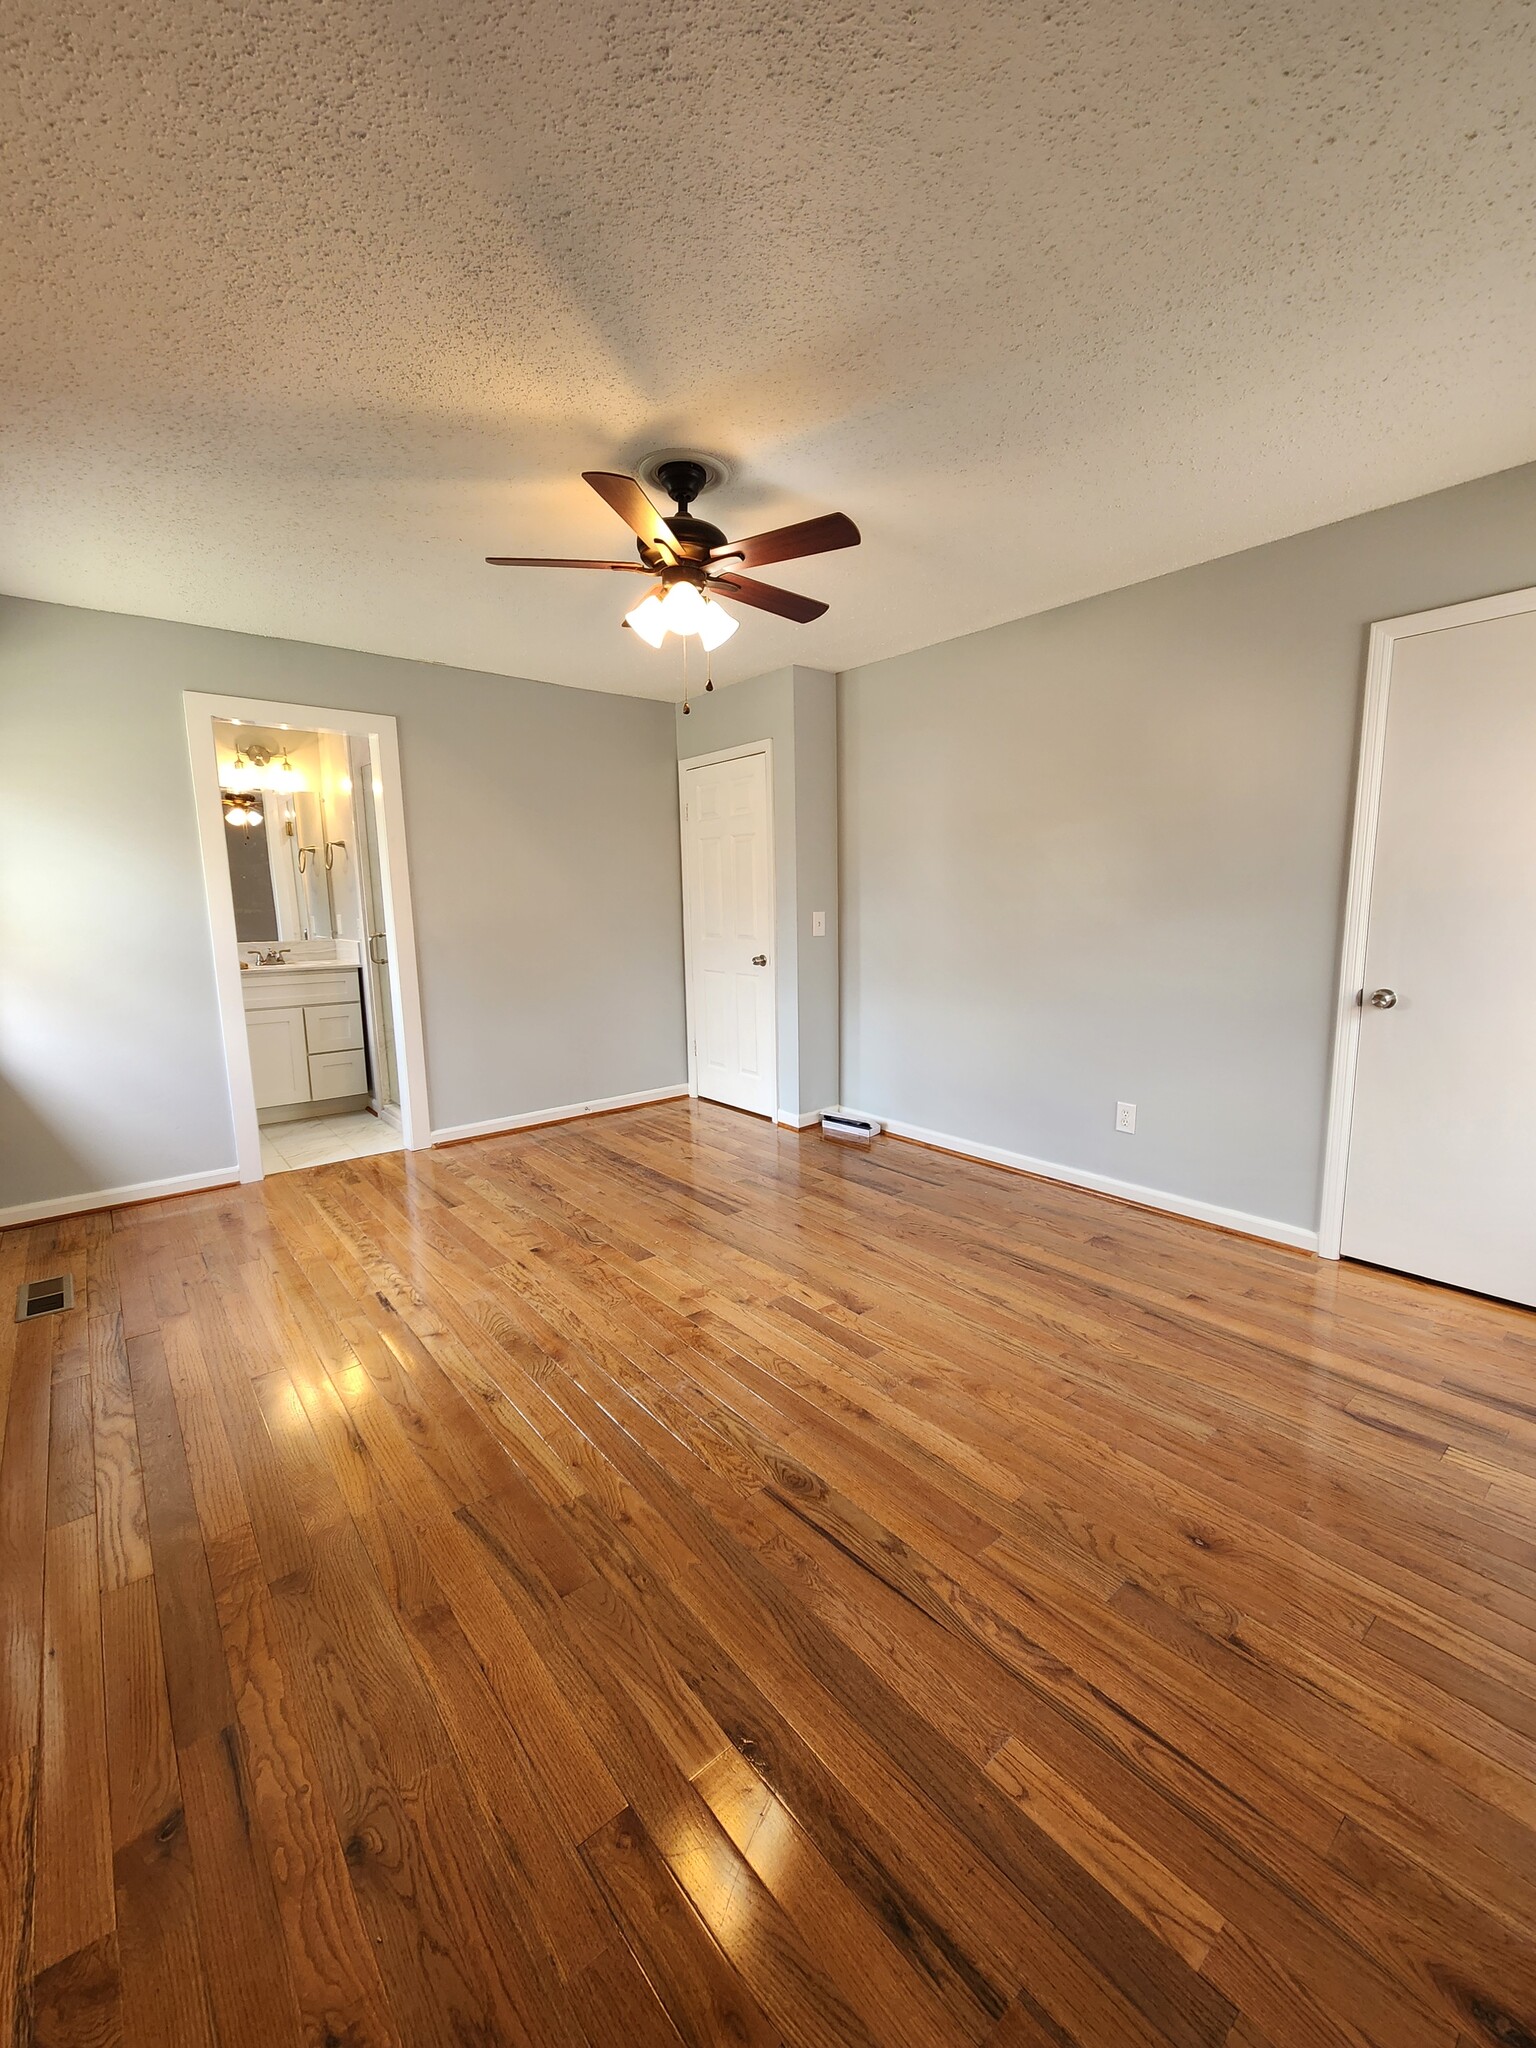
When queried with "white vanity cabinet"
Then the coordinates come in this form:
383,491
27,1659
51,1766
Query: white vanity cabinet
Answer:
305,1026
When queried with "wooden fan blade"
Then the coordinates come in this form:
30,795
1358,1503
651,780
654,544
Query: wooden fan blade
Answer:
768,597
633,507
788,543
552,562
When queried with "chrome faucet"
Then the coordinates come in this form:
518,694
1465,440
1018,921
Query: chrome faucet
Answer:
277,957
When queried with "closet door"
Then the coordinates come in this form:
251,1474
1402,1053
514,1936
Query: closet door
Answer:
728,909
1441,1177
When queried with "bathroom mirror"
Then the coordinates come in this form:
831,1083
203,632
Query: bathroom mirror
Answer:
287,823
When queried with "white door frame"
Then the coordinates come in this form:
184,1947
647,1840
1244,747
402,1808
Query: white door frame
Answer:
765,748
1385,635
382,736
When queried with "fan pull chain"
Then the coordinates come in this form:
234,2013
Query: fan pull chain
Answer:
709,668
687,707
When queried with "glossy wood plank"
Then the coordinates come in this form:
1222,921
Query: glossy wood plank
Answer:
331,1959
78,2002
23,1531
163,1989
668,1580
73,1903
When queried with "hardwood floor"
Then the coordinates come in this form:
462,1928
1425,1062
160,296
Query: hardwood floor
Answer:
666,1580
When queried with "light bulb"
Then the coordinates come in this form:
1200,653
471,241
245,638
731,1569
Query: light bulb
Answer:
649,620
682,608
716,626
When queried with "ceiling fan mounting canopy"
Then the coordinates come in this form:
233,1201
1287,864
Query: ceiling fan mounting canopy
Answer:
683,478
717,471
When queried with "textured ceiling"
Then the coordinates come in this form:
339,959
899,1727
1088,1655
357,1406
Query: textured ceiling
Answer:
305,309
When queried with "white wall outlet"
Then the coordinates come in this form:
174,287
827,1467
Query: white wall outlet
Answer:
818,924
1125,1116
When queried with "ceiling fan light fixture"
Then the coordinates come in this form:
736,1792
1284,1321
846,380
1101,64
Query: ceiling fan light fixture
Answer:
716,626
682,609
649,619
241,808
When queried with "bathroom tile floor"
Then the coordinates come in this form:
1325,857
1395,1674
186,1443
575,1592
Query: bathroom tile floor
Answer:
316,1140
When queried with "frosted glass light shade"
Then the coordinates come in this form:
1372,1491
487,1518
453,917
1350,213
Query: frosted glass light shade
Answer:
716,626
682,610
648,620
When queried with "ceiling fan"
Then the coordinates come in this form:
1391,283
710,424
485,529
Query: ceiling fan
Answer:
693,562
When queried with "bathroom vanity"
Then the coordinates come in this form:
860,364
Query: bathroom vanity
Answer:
304,1021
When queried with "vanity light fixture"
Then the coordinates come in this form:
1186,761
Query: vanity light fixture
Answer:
257,767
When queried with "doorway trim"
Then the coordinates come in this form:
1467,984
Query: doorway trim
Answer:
382,735
1385,634
684,767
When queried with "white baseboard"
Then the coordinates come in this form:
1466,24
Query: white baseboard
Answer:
115,1198
799,1119
389,1113
1122,1190
528,1118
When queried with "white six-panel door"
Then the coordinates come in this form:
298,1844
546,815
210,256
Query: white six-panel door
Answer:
1441,1170
728,900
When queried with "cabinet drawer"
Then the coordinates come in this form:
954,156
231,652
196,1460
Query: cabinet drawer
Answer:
334,1027
279,989
337,1073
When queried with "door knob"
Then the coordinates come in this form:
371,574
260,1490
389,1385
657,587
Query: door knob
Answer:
1383,998
759,959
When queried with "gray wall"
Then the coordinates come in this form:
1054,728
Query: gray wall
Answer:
1094,855
1099,855
795,708
542,828
817,887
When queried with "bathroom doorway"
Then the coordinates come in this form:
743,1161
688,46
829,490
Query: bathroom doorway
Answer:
303,844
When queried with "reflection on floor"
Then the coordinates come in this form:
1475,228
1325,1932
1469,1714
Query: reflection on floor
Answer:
316,1140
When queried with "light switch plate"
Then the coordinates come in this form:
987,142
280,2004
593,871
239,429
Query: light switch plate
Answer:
818,924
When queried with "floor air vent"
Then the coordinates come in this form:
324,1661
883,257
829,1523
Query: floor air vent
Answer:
44,1297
